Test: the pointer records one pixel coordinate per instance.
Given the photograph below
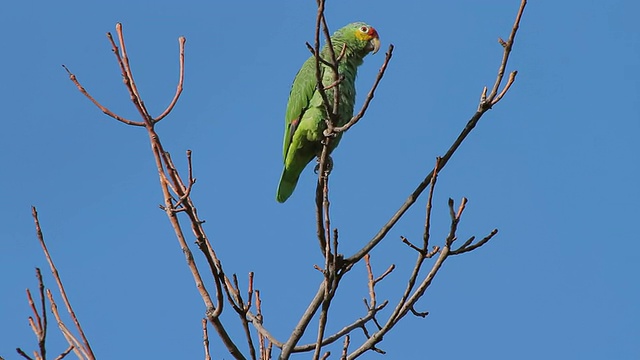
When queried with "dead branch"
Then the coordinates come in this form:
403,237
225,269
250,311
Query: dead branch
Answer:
357,324
84,347
39,325
345,348
177,199
205,340
427,221
71,339
176,97
370,95
412,293
507,45
108,112
466,248
485,104
64,353
173,187
23,354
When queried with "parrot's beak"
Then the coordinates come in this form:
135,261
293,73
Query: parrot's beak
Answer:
374,44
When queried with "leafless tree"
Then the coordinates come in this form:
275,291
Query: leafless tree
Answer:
180,208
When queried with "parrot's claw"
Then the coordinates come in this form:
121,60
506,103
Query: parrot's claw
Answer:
328,134
329,165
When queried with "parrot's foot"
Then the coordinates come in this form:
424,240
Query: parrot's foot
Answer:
329,165
328,134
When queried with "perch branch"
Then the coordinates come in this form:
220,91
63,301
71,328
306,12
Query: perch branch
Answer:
370,95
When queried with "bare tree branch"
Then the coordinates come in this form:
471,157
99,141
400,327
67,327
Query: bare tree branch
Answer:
370,95
345,348
177,199
23,354
108,112
171,183
73,341
39,325
505,58
85,342
466,248
427,221
483,107
64,353
182,40
205,340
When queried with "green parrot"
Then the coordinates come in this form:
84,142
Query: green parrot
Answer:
306,114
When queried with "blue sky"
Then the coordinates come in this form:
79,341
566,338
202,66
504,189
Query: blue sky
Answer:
554,167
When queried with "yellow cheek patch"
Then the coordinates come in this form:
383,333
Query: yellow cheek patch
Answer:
362,36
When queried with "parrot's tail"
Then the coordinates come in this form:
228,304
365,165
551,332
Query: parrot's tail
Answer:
288,182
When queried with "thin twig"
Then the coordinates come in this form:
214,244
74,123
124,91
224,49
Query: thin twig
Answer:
419,314
108,112
319,60
23,354
384,274
345,348
250,290
137,99
182,40
86,347
455,220
39,325
401,311
71,339
322,238
508,45
128,81
205,340
256,321
64,353
466,248
512,78
370,95
42,323
427,221
410,244
359,323
370,284
242,309
192,181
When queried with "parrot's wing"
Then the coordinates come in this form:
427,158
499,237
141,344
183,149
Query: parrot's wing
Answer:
302,90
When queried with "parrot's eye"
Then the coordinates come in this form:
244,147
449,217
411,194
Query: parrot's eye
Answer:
364,29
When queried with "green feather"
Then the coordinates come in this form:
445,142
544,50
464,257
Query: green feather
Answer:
304,118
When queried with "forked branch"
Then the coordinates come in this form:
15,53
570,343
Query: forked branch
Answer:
177,194
485,104
177,199
81,346
414,291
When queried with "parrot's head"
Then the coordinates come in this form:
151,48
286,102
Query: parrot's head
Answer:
360,37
